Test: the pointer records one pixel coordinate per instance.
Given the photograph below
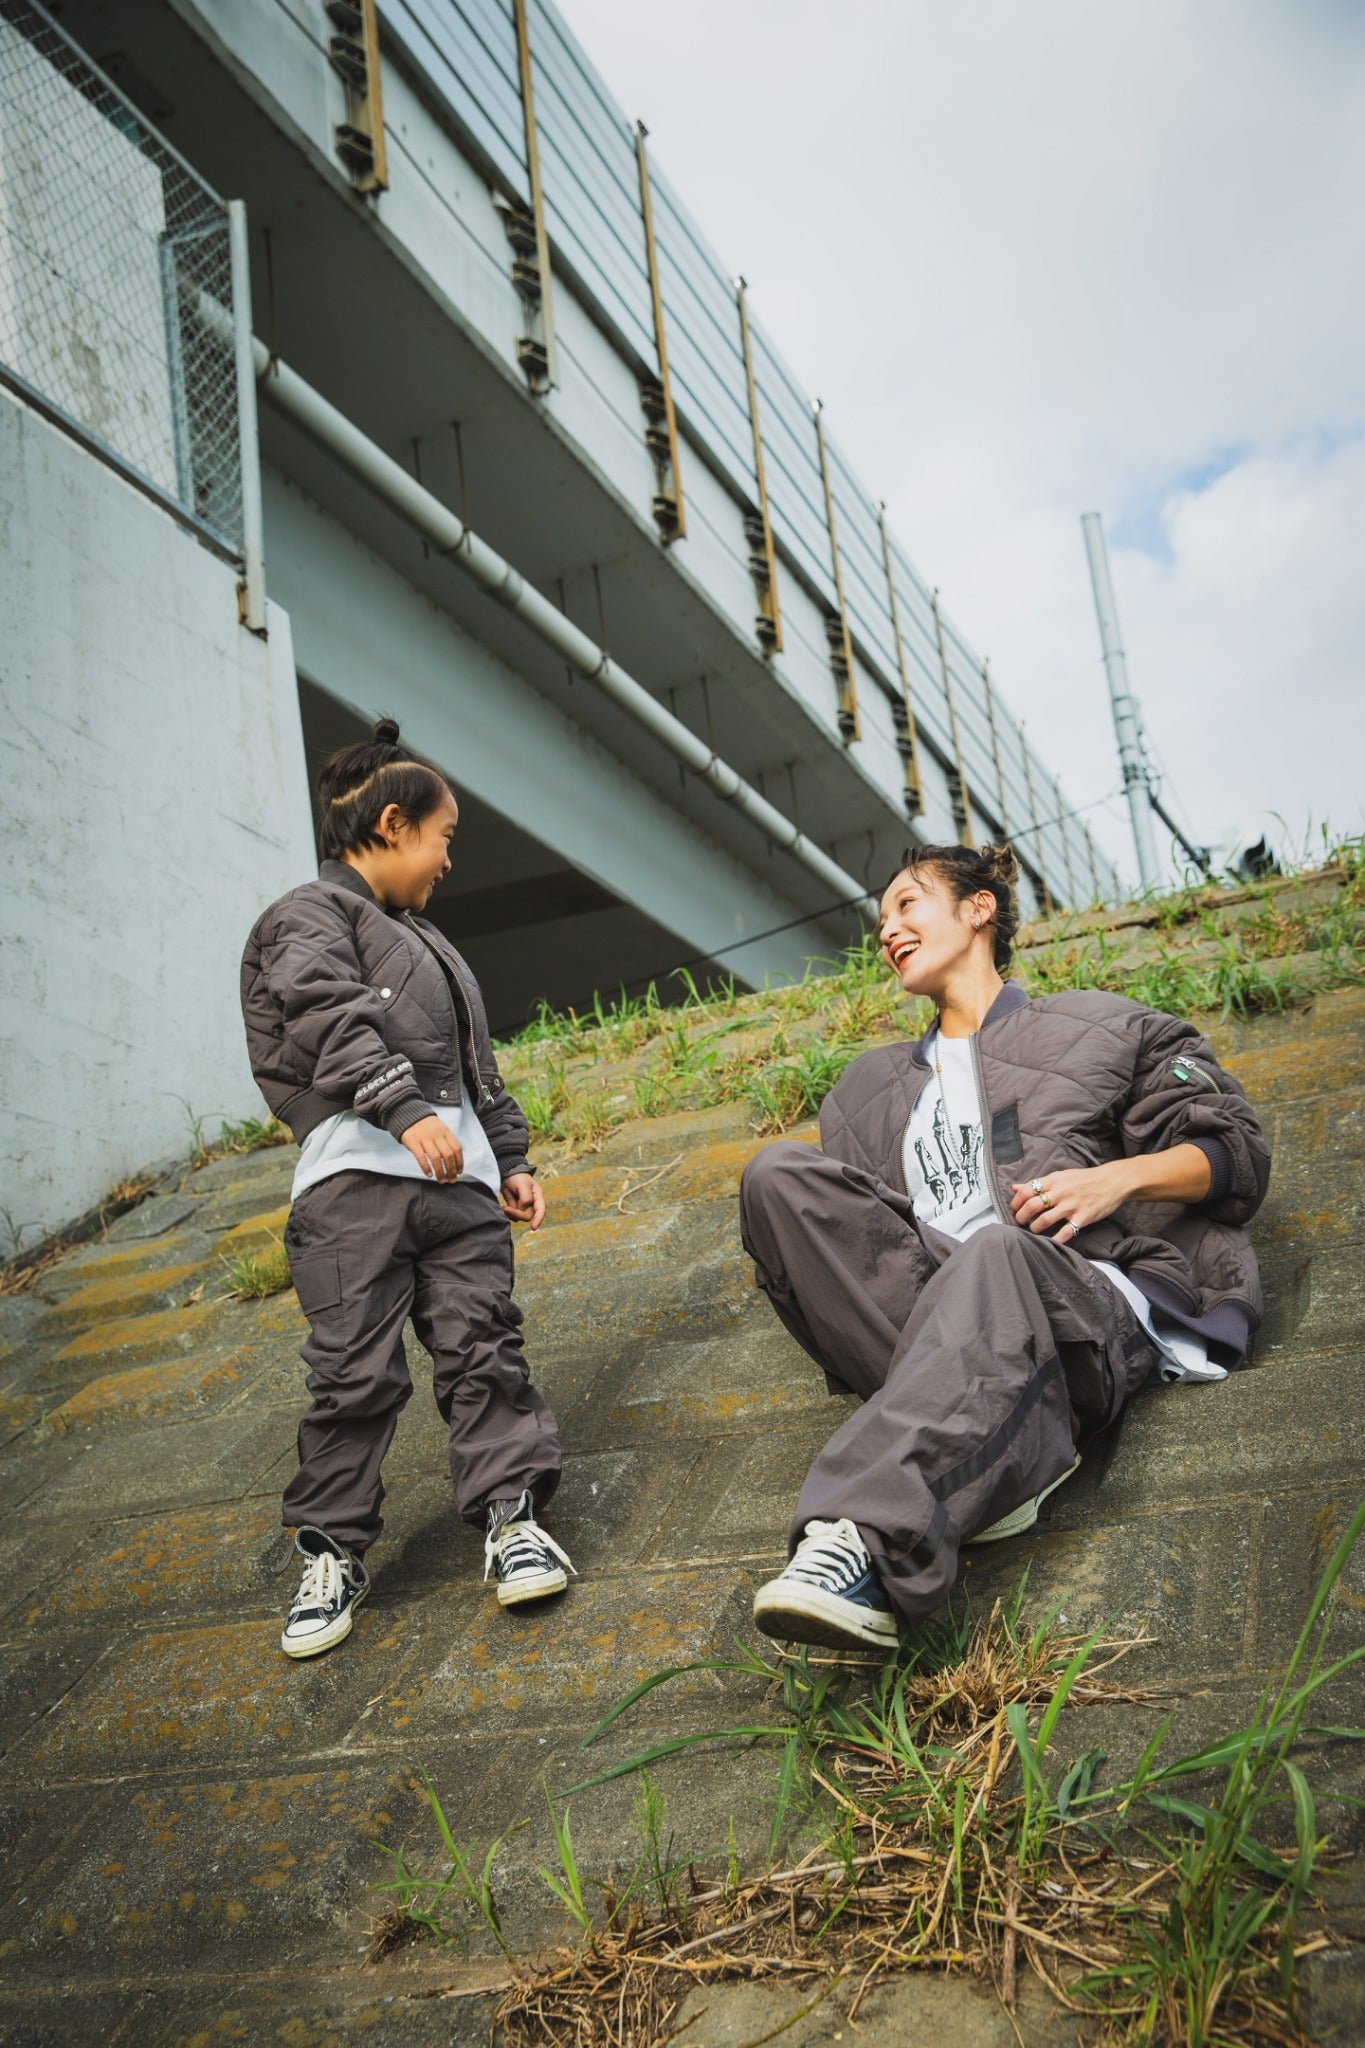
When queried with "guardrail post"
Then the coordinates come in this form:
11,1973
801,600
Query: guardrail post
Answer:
1049,901
907,739
252,587
957,779
537,353
758,528
661,433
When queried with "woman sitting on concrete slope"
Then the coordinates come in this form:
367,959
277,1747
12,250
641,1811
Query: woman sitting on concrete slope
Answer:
1013,1225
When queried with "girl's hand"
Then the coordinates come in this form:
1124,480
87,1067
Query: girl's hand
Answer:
1072,1198
436,1149
523,1199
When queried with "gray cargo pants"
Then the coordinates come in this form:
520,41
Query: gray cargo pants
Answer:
368,1250
977,1375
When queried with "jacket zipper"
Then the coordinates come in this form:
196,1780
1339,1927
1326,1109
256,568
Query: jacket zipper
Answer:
987,1145
451,980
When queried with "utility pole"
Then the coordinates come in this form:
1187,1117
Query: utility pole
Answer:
1127,717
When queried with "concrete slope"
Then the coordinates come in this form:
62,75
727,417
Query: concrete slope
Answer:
190,1821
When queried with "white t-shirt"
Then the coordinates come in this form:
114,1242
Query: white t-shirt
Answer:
345,1143
943,1155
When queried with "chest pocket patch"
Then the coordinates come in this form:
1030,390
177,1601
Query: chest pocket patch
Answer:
1006,1143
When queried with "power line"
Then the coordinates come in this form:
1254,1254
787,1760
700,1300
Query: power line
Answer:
775,931
1062,816
701,959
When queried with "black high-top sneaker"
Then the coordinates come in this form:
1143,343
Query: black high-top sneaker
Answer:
333,1583
829,1594
519,1553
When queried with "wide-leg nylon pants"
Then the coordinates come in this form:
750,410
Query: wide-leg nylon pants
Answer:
368,1250
977,1375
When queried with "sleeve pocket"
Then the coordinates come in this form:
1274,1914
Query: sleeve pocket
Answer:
317,1280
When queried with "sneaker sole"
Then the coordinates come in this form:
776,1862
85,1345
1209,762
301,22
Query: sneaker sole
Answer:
326,1638
806,1615
518,1591
1023,1516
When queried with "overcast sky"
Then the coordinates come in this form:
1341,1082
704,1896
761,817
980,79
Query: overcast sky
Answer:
1081,253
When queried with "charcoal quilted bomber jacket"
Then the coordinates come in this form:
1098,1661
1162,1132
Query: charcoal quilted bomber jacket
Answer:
1076,1080
351,1006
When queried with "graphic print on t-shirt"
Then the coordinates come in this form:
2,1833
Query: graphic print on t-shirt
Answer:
950,1159
943,1152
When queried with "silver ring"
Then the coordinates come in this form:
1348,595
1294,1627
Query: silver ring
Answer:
1073,1227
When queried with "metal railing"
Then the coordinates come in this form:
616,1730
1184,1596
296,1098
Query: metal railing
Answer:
117,303
592,200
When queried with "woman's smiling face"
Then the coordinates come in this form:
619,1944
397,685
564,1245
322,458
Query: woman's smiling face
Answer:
924,931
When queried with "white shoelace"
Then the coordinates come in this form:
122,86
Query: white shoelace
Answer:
519,1543
830,1552
321,1584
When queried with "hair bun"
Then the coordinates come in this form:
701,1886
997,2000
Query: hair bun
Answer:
386,731
1002,862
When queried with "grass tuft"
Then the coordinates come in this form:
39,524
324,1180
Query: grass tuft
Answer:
1203,952
965,1827
252,1134
251,1276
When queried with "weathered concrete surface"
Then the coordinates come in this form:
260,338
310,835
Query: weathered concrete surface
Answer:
189,1823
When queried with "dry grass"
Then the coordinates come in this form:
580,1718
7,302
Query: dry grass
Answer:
922,1870
22,1271
967,1836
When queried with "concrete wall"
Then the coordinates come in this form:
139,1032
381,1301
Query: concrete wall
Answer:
153,799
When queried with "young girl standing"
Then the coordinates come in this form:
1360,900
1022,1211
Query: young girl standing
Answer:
367,1036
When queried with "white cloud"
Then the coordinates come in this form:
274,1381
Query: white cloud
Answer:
1038,259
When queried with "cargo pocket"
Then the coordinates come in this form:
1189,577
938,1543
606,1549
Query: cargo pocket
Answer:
317,1281
507,1313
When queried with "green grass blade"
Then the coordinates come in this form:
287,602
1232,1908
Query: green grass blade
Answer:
1207,1819
1305,1826
786,1780
672,1748
1328,1580
1068,1678
753,1667
1017,1717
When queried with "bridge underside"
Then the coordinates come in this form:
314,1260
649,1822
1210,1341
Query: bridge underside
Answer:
532,927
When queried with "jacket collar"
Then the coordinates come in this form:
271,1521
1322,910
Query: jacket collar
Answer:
344,876
1011,997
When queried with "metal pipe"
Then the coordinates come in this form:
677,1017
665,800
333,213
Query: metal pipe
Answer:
309,410
248,438
1198,854
1127,717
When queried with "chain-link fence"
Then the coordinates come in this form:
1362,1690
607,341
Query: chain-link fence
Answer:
115,276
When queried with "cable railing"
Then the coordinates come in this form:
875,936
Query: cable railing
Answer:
589,171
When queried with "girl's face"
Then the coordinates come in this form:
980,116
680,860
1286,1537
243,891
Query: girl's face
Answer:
926,933
416,857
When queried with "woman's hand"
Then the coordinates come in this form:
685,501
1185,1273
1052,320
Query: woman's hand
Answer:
1062,1204
1070,1199
523,1199
436,1149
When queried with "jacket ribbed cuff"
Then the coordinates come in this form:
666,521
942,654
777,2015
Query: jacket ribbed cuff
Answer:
407,1111
1220,1165
507,1167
